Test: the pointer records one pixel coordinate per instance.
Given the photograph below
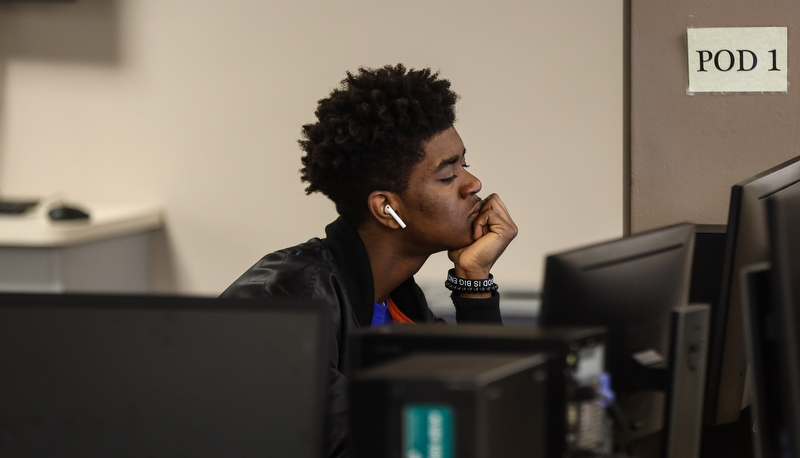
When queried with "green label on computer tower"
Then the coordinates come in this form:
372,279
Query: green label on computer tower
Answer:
428,431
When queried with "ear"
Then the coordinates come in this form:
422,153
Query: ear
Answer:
377,202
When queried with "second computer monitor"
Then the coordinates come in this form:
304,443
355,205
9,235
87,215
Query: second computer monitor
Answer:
772,293
747,243
629,285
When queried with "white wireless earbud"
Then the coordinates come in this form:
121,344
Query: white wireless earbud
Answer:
390,211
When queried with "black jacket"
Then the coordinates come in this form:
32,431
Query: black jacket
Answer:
336,270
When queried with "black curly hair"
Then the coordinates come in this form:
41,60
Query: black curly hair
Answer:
370,132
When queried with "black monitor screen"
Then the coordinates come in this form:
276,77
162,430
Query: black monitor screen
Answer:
747,242
784,227
100,376
630,286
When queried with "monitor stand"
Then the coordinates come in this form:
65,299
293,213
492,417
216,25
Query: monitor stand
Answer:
682,379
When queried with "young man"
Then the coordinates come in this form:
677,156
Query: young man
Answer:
385,151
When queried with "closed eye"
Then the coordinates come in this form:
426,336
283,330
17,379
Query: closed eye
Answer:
450,179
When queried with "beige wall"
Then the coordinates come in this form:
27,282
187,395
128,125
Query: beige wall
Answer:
197,106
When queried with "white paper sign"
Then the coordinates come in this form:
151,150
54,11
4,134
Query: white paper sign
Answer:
738,59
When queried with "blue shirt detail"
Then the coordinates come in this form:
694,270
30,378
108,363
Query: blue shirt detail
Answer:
381,315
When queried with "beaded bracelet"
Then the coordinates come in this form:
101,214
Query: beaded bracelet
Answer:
464,285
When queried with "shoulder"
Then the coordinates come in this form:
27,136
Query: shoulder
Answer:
290,272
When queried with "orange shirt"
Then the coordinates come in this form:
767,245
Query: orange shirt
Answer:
397,315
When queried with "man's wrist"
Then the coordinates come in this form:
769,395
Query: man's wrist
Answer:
470,288
471,274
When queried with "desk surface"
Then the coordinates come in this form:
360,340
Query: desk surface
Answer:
36,230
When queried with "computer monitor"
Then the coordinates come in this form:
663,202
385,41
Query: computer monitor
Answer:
100,376
631,286
727,386
772,305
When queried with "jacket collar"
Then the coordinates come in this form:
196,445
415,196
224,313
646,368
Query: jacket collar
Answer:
351,257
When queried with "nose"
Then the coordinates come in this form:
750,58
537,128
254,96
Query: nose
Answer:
472,185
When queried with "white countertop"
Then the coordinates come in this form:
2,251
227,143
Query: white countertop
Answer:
35,229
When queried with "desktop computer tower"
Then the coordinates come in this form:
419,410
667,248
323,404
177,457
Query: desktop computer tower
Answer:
448,405
575,361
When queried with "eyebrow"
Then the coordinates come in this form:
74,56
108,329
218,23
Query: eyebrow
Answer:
450,161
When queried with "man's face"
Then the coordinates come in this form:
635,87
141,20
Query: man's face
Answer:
441,201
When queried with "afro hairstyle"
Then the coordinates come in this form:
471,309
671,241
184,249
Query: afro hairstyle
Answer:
370,133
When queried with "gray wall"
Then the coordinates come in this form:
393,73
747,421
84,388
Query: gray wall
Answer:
688,150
